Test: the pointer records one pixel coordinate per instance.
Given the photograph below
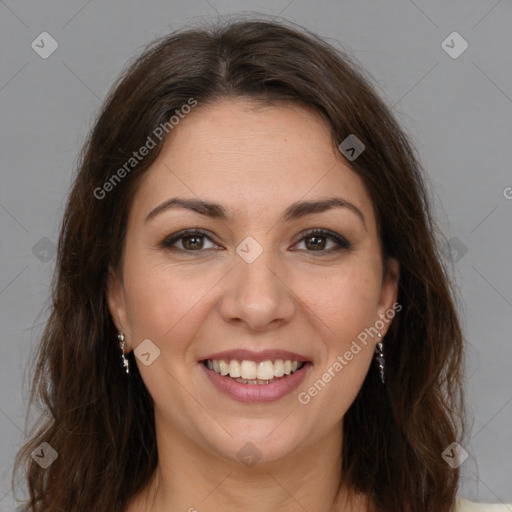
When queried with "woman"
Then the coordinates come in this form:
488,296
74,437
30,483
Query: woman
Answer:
250,312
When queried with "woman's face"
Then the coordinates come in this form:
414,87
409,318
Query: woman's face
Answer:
253,286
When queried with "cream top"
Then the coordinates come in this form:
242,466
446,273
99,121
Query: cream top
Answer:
463,505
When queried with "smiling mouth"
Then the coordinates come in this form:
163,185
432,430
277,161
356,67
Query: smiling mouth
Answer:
252,372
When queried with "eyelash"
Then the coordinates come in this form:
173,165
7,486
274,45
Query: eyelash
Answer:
341,242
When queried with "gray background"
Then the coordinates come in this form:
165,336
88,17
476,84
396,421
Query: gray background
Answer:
457,111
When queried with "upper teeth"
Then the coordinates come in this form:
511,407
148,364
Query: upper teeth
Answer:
263,370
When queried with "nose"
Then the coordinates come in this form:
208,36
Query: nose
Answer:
257,294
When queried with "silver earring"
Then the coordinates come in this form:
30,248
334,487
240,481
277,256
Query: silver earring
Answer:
122,344
379,357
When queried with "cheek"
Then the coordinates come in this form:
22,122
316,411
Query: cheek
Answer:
345,308
348,307
345,303
164,300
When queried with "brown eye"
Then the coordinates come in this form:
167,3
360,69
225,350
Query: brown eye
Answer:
191,240
316,241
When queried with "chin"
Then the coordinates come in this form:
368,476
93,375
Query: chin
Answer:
256,442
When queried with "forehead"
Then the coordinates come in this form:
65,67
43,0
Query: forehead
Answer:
252,158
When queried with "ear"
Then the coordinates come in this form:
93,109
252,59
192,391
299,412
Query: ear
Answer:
117,304
389,293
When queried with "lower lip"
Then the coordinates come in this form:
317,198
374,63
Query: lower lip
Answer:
256,393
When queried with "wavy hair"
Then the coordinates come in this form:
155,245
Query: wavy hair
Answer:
101,421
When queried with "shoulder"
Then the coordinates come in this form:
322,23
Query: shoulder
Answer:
462,505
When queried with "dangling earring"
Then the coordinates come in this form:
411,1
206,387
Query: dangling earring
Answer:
379,357
122,344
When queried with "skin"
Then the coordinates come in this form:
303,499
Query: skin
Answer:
255,160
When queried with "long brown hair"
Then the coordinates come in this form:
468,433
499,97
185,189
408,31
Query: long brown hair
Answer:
100,421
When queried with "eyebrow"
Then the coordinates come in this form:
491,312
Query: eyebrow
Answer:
294,211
